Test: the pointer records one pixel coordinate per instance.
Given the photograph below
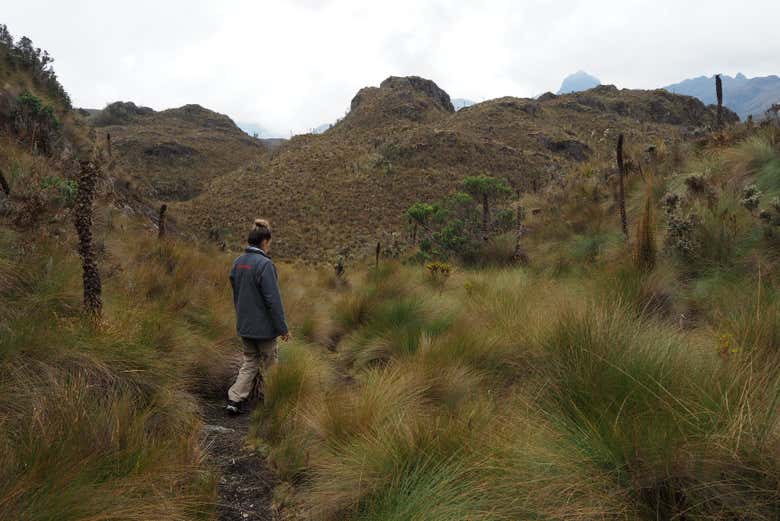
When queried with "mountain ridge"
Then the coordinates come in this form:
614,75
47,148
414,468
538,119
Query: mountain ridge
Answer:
403,142
746,96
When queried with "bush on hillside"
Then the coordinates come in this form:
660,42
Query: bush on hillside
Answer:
462,225
35,123
24,55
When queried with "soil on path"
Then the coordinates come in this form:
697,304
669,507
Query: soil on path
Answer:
246,481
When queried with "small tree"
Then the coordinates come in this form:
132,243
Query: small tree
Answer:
5,36
454,226
486,189
420,215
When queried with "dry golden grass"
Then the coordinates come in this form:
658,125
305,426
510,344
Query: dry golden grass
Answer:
344,190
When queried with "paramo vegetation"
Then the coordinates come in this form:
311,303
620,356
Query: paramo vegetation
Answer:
523,357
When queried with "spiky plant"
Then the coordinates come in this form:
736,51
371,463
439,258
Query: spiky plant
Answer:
645,247
621,187
719,94
520,256
83,221
4,184
161,227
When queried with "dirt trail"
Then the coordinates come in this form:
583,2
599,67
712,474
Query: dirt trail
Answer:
246,481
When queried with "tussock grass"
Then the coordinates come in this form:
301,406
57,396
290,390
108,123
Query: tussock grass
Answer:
99,420
603,392
578,388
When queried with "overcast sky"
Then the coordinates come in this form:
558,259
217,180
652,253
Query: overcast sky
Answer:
293,65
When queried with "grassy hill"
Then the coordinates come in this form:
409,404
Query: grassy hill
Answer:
611,378
172,154
402,142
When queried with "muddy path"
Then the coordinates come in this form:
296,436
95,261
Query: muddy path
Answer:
246,482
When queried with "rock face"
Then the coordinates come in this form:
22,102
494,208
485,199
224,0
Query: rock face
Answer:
396,100
120,113
427,87
569,148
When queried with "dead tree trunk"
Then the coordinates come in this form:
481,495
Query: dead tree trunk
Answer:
161,226
621,187
4,184
520,256
108,143
83,221
719,95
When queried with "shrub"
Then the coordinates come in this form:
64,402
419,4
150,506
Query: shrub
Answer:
452,227
36,123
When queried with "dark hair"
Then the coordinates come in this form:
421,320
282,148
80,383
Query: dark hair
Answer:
260,233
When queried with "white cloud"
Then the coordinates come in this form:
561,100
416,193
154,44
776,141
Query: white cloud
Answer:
290,66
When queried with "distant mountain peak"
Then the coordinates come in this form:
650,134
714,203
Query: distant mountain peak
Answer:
746,96
577,82
462,103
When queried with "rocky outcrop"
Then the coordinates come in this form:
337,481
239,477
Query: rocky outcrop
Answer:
201,116
427,87
120,113
569,148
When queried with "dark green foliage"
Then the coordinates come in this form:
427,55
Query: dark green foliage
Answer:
36,123
65,188
24,55
453,225
486,189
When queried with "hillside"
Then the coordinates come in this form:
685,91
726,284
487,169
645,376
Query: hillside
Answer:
624,373
403,142
745,96
172,154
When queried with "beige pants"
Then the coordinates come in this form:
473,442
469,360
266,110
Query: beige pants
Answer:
258,355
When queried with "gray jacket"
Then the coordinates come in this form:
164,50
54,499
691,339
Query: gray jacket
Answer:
259,310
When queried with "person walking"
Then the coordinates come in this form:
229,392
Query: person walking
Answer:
259,313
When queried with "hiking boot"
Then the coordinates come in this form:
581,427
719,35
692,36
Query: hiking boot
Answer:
233,408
